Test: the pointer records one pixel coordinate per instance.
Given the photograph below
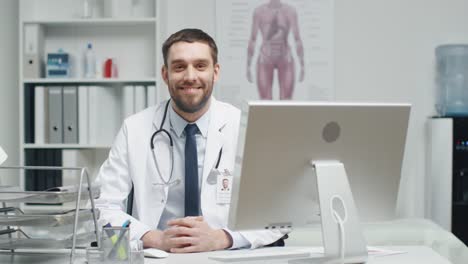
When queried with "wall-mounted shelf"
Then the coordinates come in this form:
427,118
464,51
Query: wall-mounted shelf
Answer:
64,146
90,81
93,22
90,109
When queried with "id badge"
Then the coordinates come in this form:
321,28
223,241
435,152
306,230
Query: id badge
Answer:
224,188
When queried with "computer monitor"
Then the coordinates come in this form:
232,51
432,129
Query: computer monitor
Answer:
284,143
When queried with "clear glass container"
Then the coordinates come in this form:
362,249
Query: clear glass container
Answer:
452,80
115,244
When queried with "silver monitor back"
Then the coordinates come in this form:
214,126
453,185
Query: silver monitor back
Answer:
277,185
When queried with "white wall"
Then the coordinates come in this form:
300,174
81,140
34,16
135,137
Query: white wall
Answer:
9,126
384,51
183,14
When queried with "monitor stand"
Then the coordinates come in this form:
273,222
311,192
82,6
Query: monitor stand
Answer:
343,243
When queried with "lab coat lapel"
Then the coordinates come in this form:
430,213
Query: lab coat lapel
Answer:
215,139
159,116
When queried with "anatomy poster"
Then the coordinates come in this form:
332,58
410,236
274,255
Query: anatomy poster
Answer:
275,50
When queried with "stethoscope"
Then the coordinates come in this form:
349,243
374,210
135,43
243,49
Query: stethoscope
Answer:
161,130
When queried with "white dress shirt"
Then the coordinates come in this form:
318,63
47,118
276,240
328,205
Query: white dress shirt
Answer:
175,201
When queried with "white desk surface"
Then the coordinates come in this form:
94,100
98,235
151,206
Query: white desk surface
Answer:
415,254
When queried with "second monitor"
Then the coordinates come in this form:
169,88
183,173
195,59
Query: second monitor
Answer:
287,141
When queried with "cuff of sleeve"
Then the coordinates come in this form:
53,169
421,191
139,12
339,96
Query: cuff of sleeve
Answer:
238,240
137,231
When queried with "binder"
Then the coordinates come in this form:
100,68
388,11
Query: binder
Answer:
70,115
83,115
55,114
40,115
30,175
151,98
128,101
104,114
29,115
140,98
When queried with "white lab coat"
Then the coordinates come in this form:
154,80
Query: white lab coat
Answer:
130,160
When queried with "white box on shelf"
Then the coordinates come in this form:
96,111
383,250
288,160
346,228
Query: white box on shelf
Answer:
118,8
143,8
33,46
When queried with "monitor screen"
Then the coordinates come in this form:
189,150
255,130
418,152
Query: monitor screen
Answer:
277,185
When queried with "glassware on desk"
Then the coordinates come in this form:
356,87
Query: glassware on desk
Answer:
94,255
137,254
115,244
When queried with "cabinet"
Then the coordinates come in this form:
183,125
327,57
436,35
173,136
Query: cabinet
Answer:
91,110
447,167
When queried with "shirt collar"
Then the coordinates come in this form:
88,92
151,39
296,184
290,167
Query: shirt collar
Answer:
178,124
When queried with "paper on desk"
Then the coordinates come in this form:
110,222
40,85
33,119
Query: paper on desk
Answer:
53,195
12,193
381,252
372,251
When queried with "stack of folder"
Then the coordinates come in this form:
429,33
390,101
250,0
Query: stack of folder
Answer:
85,114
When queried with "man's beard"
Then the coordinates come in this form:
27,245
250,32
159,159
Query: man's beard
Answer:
193,108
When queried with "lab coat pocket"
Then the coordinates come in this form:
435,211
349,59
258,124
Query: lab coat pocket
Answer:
222,211
158,195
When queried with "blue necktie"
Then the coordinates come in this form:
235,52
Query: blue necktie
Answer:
191,171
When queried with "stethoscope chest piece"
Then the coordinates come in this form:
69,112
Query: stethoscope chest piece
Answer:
213,176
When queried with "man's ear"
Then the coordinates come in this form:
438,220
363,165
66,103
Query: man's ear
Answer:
164,74
216,72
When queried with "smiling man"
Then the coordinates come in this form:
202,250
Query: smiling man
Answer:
170,153
190,73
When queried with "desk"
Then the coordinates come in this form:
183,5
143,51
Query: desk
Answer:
415,254
403,232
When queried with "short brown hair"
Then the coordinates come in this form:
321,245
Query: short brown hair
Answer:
190,35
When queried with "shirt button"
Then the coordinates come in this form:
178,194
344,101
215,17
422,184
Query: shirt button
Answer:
162,201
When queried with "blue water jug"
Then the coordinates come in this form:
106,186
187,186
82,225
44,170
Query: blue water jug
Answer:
452,80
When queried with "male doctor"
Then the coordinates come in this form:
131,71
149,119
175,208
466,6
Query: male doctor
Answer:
168,154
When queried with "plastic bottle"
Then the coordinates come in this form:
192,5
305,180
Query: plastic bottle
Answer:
90,62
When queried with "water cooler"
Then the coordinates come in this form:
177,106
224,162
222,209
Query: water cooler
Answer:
447,144
447,181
